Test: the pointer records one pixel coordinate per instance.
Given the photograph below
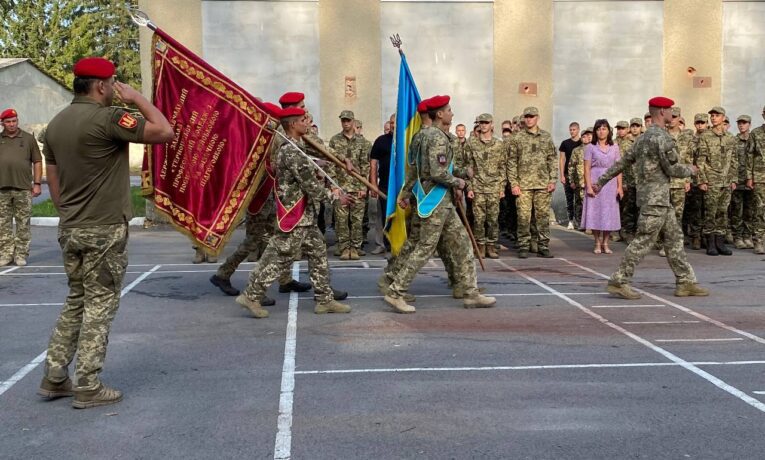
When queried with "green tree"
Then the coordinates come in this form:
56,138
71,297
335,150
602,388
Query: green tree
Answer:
56,33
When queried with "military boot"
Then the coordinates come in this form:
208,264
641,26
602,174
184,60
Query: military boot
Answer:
361,252
224,285
295,286
545,253
399,304
711,246
759,247
523,253
211,259
729,237
337,252
333,306
346,254
748,243
662,253
533,246
459,292
479,301
101,396
738,243
383,281
690,289
353,254
337,294
622,290
491,251
406,296
721,248
695,243
199,256
253,306
481,250
53,390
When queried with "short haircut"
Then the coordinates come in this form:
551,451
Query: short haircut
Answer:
508,122
82,85
459,126
572,124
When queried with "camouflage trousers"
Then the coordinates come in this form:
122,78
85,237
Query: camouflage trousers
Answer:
15,205
578,205
655,220
629,210
348,225
486,218
716,201
539,202
95,259
677,200
443,224
759,212
283,249
694,211
742,212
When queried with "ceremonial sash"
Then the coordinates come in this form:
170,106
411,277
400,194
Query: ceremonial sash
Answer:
427,203
287,219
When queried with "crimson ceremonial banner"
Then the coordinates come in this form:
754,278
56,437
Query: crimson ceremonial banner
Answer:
204,178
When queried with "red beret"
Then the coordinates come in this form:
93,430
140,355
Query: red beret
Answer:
422,107
291,98
8,113
436,102
94,67
272,109
661,102
292,112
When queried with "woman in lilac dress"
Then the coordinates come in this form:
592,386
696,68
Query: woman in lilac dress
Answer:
601,211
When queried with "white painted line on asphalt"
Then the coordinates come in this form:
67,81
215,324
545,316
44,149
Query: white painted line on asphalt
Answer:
748,335
29,304
734,339
506,294
8,270
521,368
5,386
283,444
759,392
554,283
672,357
628,306
660,322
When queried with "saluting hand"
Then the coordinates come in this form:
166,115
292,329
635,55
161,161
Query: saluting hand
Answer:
126,93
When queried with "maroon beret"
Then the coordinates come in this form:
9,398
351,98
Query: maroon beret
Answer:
291,98
94,67
8,113
272,109
661,102
422,107
291,112
436,102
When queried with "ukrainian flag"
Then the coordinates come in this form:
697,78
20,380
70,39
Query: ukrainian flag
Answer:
407,124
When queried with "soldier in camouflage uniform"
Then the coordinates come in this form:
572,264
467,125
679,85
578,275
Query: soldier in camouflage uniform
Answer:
86,151
576,175
679,186
742,201
628,209
718,171
440,220
694,199
300,192
488,156
532,170
655,161
19,157
755,180
348,218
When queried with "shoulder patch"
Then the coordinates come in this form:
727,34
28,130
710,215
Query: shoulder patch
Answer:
441,159
127,121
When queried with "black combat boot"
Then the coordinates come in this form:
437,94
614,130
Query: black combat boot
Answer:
721,248
711,246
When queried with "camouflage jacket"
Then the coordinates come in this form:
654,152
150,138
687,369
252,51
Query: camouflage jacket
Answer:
488,160
686,144
435,156
576,168
532,161
755,158
413,158
625,144
355,149
718,166
742,148
296,178
654,159
461,152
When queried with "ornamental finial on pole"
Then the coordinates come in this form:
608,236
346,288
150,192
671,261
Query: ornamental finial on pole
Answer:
396,41
141,18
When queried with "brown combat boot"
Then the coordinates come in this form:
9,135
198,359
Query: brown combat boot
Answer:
53,390
479,300
399,304
406,296
622,290
353,254
481,251
101,396
690,290
346,254
491,251
696,243
748,243
333,306
738,243
253,306
199,256
759,247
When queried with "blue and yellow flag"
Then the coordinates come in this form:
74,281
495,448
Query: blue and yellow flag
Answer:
407,124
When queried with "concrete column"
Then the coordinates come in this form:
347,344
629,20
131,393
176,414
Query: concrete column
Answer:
523,52
182,19
693,38
349,35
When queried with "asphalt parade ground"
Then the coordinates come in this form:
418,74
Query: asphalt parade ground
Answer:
558,369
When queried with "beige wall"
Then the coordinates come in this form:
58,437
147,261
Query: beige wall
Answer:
521,56
693,37
349,37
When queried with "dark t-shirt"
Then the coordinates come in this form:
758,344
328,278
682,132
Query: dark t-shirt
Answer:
381,153
17,155
567,147
88,143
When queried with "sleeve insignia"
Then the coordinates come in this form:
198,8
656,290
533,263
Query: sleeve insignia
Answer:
127,121
442,159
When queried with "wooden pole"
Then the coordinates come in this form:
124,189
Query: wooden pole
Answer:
463,216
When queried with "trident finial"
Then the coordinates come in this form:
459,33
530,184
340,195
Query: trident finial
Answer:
396,41
141,18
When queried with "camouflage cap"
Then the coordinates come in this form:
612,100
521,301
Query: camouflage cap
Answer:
590,130
717,109
346,115
636,121
359,123
727,120
745,118
647,115
700,118
484,117
530,112
675,111
622,124
516,120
